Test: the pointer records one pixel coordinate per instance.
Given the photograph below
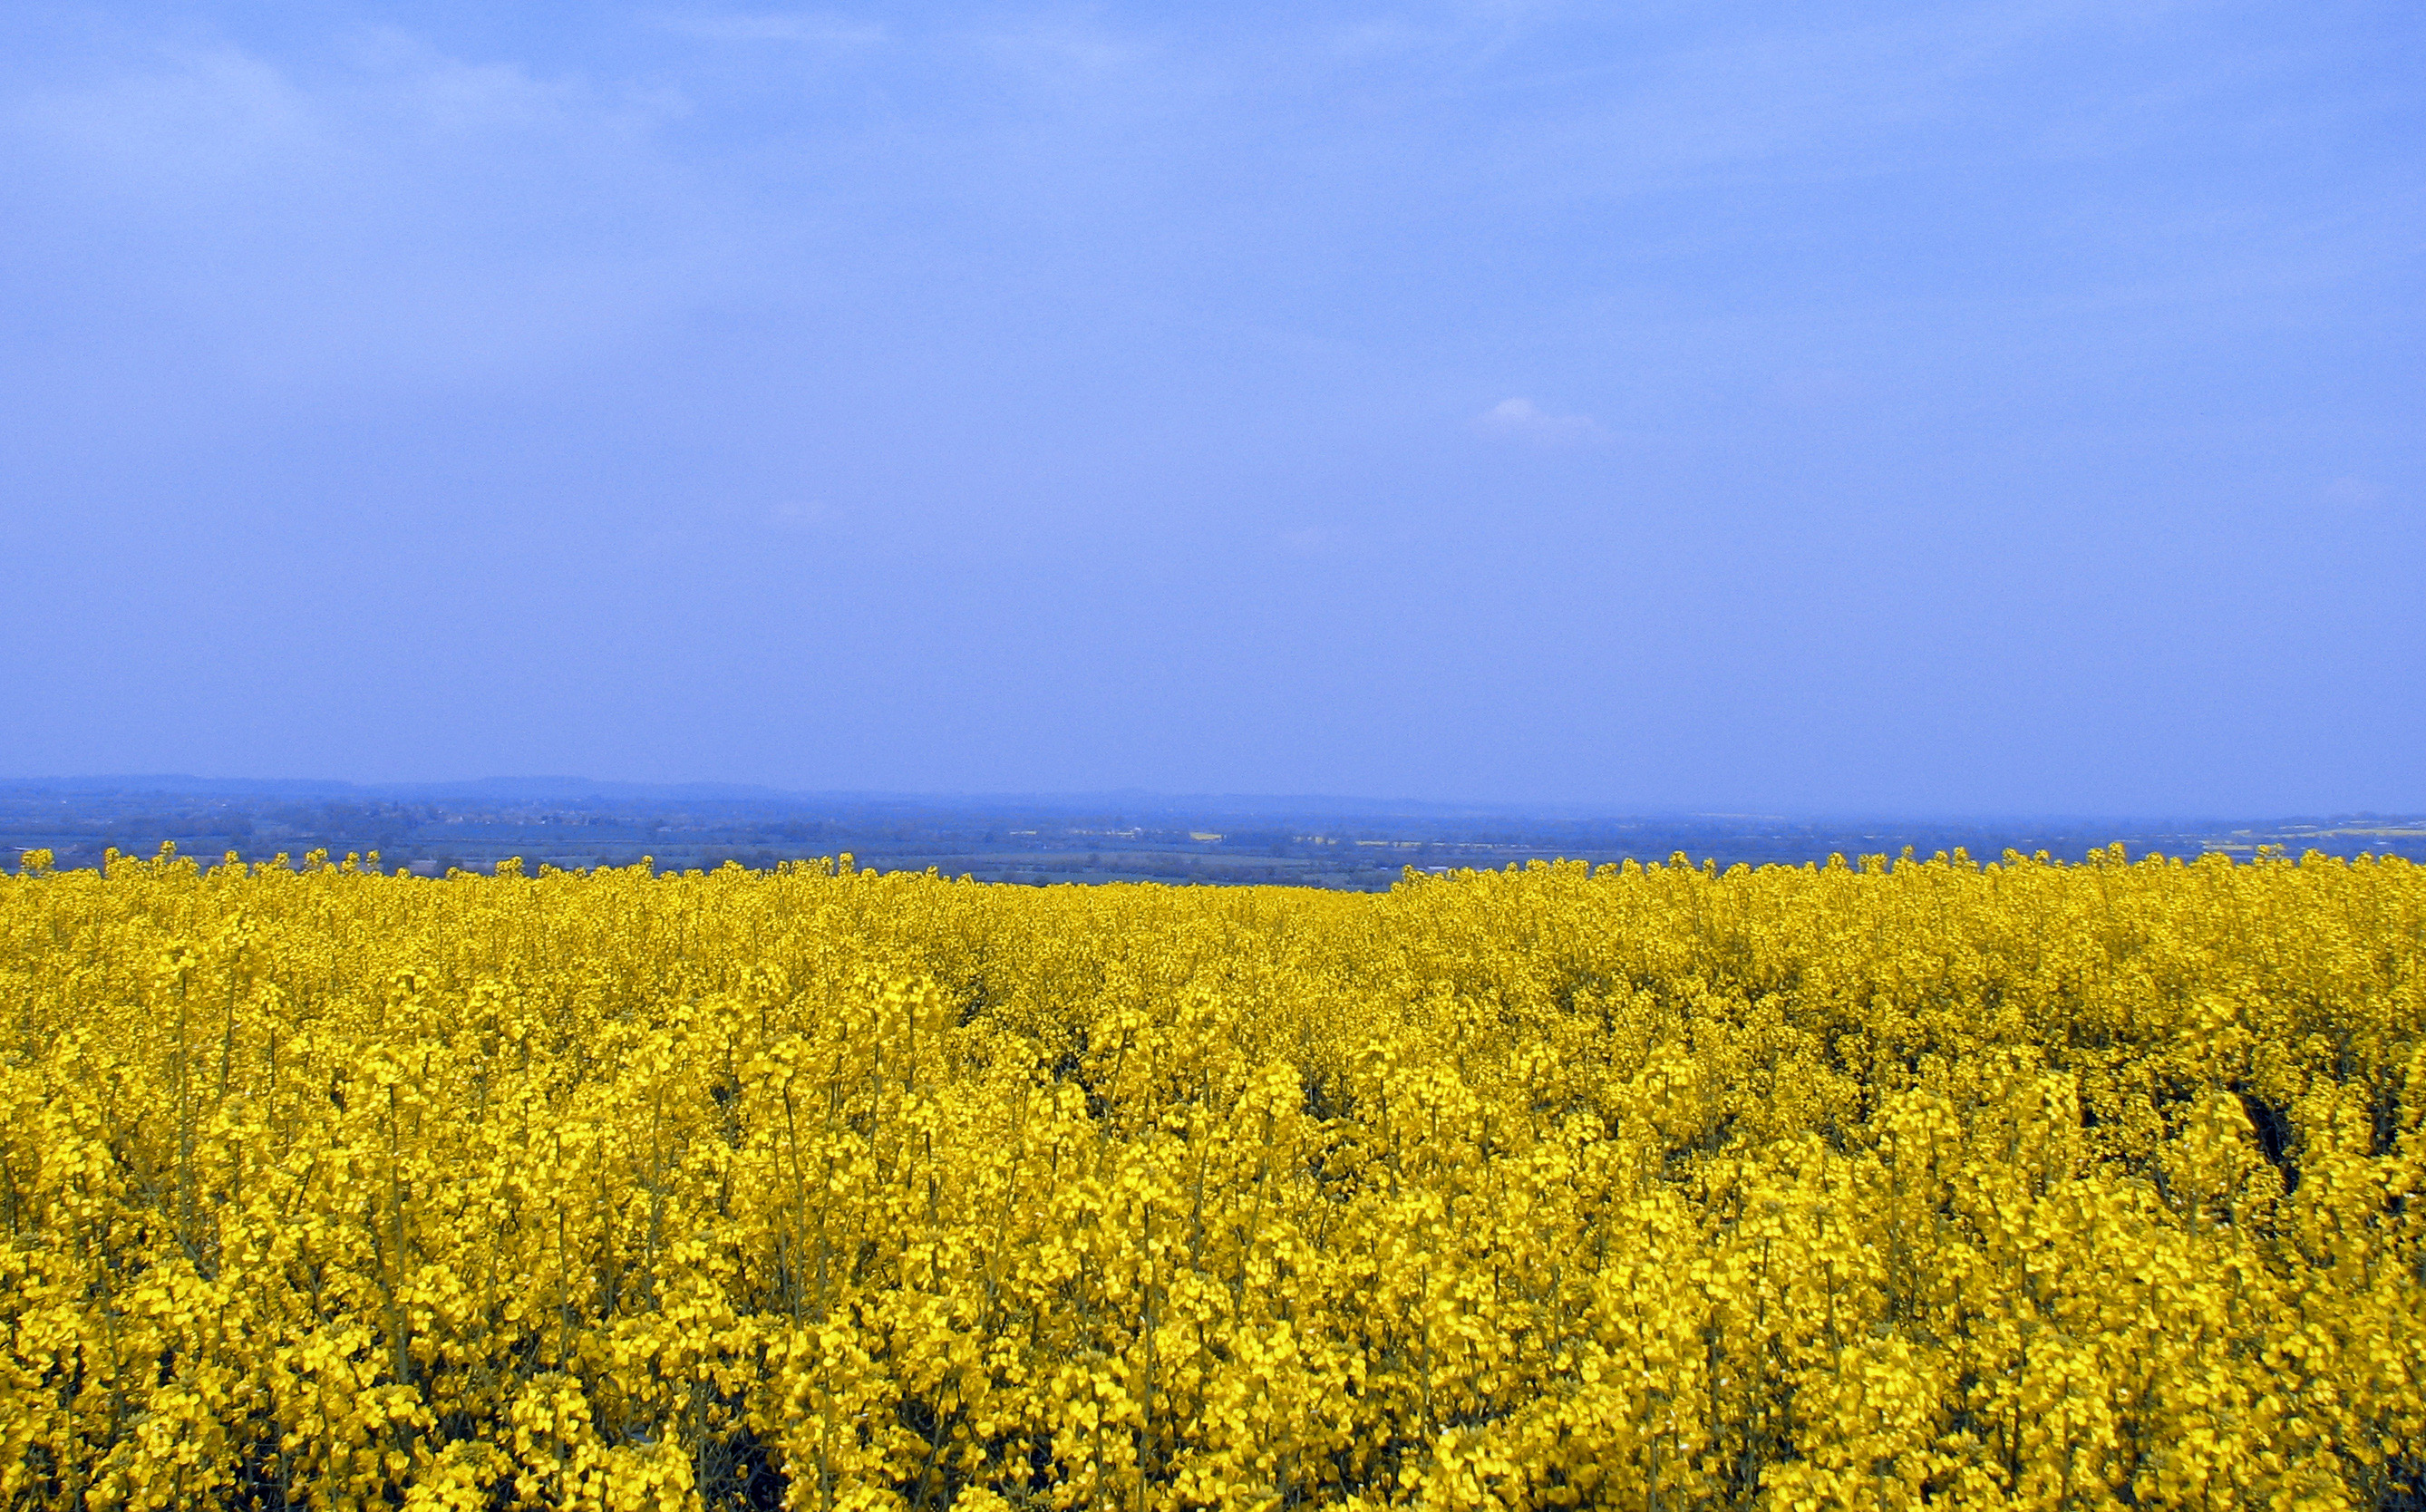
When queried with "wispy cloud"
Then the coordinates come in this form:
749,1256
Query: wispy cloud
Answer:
389,211
1523,420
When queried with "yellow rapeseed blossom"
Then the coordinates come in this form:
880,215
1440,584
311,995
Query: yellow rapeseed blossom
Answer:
2016,1185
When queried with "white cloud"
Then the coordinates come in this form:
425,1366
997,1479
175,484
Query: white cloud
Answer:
1521,419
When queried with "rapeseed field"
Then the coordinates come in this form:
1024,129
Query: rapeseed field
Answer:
2017,1185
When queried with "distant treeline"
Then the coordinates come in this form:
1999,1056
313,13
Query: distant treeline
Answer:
1340,844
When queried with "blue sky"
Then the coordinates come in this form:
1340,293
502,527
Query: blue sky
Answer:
1924,408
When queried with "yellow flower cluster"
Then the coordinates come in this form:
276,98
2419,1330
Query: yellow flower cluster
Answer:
2014,1185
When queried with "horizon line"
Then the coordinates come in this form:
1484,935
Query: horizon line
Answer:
1559,808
